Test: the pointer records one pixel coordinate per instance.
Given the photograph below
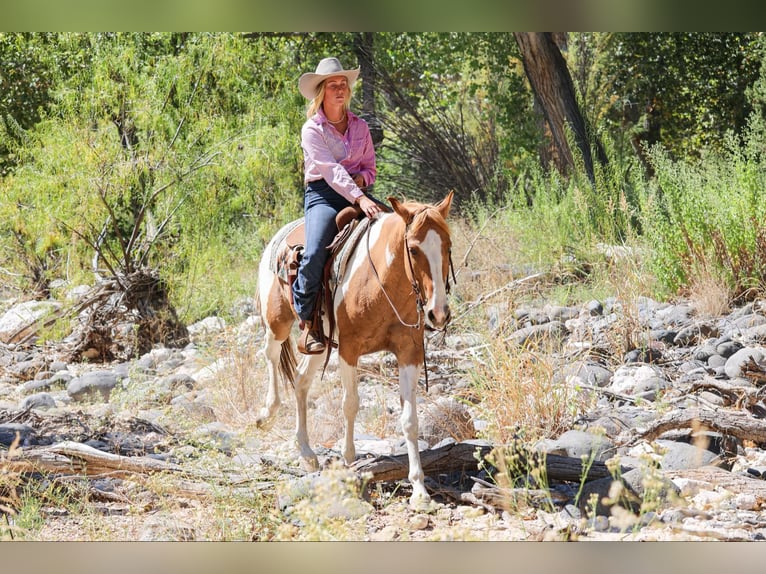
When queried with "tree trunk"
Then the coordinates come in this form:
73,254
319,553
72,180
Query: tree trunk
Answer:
552,85
364,49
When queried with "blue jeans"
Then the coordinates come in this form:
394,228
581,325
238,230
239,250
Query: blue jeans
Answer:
321,204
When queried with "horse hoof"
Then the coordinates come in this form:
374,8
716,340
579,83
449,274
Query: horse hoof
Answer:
423,503
311,464
264,422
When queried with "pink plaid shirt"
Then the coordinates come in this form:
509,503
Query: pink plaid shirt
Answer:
335,157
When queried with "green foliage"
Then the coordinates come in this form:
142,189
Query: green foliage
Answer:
684,90
167,151
708,217
181,151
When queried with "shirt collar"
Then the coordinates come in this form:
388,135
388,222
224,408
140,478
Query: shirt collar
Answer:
320,118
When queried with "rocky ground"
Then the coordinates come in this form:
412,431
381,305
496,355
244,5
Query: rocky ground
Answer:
666,439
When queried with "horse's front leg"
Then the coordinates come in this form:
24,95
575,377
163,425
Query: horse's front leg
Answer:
350,407
408,381
271,350
306,370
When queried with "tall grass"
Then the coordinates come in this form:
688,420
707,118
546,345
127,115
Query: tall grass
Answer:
707,220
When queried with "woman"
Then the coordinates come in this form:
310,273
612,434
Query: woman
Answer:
339,164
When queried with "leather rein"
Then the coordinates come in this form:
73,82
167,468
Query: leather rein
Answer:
416,289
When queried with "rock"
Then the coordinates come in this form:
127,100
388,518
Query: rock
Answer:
594,308
92,386
38,401
638,380
643,355
445,418
577,444
693,334
18,321
551,332
587,372
683,456
9,432
207,326
736,363
332,494
167,529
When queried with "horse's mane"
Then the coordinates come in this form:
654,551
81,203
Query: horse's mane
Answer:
425,212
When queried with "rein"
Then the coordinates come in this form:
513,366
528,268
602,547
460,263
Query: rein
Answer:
415,286
415,289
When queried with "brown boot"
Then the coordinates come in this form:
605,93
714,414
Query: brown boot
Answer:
311,341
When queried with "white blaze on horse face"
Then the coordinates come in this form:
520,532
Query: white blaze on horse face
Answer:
437,309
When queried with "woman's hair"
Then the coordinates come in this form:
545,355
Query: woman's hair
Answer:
316,103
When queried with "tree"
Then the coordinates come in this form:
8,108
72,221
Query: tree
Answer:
552,85
682,89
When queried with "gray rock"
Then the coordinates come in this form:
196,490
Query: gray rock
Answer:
445,418
615,421
727,348
716,361
736,363
683,456
553,332
676,315
38,401
167,529
663,335
594,308
336,495
561,313
754,335
577,443
587,372
92,386
638,379
695,333
10,431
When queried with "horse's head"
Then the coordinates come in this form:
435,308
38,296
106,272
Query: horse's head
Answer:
428,245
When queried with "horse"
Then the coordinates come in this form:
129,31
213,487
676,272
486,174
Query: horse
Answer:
394,286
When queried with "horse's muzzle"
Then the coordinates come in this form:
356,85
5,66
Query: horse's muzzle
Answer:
439,317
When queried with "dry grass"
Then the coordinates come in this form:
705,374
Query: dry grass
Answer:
520,398
710,295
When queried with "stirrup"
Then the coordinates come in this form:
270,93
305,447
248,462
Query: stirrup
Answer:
311,342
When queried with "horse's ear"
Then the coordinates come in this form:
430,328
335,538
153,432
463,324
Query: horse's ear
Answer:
444,205
400,209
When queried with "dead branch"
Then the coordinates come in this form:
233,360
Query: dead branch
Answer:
76,458
494,293
738,424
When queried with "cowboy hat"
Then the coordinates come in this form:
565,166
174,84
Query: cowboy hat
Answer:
309,82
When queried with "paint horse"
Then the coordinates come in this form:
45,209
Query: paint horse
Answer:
394,284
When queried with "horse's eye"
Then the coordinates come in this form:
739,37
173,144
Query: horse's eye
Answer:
413,250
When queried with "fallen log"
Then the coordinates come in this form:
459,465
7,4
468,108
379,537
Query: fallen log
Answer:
465,457
76,458
738,424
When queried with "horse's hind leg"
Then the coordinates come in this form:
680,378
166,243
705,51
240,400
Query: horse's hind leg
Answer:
306,371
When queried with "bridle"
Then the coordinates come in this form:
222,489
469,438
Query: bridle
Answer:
417,290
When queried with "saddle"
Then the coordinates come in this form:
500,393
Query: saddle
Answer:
289,259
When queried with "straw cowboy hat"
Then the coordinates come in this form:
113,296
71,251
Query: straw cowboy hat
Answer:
308,83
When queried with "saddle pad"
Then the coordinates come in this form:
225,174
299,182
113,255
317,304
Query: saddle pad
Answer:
341,259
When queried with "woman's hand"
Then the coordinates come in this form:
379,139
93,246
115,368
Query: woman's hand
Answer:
369,207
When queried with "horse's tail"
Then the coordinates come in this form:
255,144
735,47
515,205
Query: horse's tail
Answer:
288,363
